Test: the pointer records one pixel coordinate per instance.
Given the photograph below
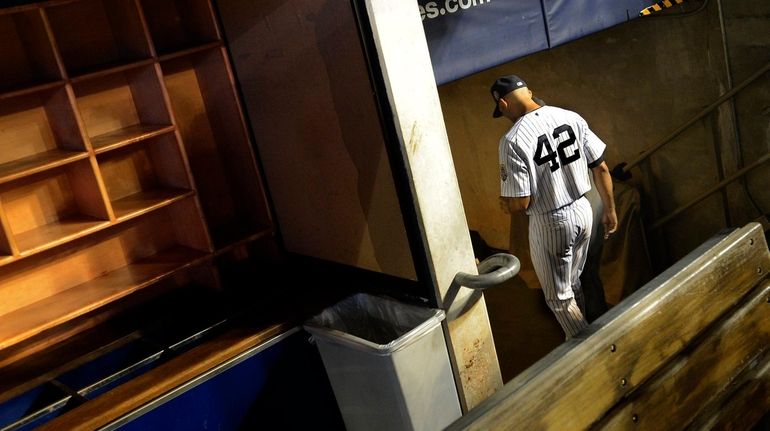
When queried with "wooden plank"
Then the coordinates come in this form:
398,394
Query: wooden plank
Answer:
744,406
188,224
127,135
111,69
151,385
147,200
190,51
10,94
696,376
54,45
632,341
61,113
8,246
87,192
35,318
25,166
58,232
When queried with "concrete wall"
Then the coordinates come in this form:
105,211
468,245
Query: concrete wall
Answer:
304,79
633,83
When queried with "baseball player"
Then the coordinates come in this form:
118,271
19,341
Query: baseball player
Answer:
544,162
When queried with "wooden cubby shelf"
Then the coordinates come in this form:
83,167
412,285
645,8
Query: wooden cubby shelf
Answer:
27,54
76,301
122,108
98,34
36,133
134,257
177,25
145,176
50,208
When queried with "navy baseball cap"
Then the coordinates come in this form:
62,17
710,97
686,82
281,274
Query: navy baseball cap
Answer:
502,86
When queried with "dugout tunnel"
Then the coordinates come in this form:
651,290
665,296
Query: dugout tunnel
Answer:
376,156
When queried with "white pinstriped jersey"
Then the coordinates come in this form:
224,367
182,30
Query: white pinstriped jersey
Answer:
546,155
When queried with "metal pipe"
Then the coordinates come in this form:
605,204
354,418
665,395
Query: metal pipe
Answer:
647,153
738,147
711,191
494,270
715,124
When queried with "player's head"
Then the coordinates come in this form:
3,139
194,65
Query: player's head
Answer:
512,97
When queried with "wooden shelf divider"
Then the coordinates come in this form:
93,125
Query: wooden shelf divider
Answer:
109,69
76,301
190,51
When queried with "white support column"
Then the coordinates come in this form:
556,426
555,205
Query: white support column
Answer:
411,89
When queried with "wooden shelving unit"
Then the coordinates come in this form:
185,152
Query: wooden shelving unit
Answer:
125,162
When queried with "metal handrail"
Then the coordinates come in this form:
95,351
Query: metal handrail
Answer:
719,186
494,270
730,94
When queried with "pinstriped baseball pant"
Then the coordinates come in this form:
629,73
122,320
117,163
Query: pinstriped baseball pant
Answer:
558,242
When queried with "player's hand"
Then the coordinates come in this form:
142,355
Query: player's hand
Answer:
610,222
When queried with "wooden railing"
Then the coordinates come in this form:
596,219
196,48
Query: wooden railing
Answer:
688,350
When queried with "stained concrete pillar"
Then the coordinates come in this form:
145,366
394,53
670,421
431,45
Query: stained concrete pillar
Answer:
402,54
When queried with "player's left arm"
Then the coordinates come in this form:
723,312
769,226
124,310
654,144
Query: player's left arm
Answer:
603,181
594,150
514,179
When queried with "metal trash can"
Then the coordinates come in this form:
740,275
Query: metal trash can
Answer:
387,363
